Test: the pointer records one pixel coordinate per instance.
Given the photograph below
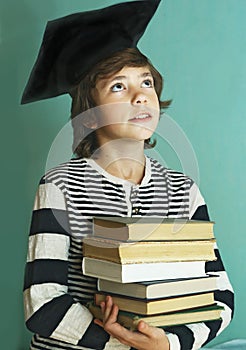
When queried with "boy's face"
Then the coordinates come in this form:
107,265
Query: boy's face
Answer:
128,104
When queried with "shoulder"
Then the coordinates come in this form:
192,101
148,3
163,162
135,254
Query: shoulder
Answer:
64,175
62,172
171,176
182,186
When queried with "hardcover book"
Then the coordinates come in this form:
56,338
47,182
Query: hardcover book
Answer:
141,272
144,252
158,306
152,228
131,320
160,289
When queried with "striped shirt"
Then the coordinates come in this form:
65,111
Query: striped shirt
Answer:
55,289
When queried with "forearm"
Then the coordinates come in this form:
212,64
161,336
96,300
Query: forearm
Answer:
224,296
50,310
194,336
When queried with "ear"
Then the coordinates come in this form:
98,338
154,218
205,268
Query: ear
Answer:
90,121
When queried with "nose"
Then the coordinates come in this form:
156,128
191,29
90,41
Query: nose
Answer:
139,98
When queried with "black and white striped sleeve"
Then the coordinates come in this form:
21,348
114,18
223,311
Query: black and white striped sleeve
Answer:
50,310
194,336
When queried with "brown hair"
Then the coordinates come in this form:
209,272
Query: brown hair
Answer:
85,142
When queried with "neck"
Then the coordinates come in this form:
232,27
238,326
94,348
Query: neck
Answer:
122,158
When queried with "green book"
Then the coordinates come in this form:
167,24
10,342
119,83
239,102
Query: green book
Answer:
195,315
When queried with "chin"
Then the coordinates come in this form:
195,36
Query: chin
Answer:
145,135
142,133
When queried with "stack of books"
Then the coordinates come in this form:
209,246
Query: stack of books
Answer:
154,269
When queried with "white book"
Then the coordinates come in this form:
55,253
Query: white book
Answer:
126,273
160,289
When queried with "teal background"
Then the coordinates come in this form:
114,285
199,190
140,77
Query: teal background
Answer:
200,48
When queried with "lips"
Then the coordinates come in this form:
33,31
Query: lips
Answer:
141,117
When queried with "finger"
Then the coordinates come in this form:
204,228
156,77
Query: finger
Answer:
153,334
112,318
146,329
102,306
108,308
143,327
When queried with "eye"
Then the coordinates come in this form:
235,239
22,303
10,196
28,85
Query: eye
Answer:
147,83
117,87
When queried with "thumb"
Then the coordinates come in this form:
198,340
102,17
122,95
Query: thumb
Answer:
144,328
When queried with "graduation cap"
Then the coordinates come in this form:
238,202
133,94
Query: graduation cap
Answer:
73,44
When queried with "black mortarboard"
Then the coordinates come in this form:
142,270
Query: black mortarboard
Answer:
72,45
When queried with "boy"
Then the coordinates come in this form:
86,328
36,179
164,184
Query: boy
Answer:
115,110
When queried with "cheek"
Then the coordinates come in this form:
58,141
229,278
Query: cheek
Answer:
113,113
109,118
156,101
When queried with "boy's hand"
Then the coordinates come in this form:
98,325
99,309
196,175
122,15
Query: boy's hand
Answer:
145,338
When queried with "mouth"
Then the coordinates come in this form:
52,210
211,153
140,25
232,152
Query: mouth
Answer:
141,117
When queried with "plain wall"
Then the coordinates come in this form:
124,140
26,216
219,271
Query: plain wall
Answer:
200,48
